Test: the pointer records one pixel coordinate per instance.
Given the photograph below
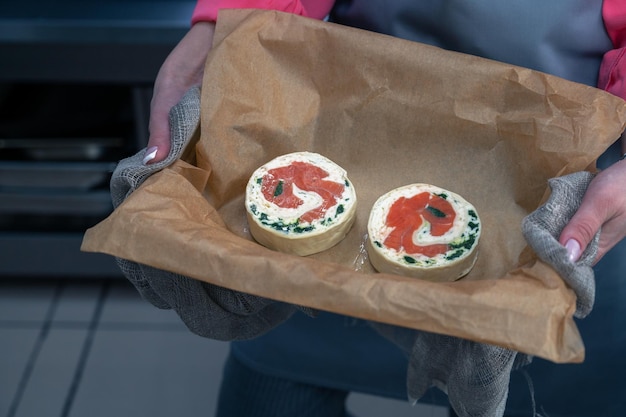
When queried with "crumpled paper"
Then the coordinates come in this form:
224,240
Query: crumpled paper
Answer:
391,112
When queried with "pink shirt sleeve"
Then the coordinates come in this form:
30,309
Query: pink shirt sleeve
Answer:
612,76
206,10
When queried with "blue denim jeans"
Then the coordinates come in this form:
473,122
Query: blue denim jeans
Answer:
247,393
307,367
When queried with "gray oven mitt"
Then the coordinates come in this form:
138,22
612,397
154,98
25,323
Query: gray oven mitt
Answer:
542,228
206,309
476,376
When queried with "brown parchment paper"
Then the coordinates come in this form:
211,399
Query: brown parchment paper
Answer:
391,112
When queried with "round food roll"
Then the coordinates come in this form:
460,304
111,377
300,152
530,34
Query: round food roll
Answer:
423,231
300,203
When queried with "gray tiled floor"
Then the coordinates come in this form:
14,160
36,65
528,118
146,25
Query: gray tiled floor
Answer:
91,349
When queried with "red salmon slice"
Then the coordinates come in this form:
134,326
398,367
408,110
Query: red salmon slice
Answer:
407,215
277,187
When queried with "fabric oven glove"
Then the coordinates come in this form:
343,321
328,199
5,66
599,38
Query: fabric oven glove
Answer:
476,376
542,229
207,310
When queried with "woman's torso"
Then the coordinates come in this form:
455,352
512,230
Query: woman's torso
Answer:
563,38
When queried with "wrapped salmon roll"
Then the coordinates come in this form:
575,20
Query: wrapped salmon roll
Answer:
300,203
423,231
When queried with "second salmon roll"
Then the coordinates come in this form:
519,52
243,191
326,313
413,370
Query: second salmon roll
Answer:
300,203
423,231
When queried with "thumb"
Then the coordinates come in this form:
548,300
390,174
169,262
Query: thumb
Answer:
158,146
581,229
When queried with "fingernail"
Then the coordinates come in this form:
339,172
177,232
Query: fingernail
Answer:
150,154
573,250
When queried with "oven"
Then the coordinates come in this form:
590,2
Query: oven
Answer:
75,85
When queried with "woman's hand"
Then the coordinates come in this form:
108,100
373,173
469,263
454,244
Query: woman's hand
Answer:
603,206
182,69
